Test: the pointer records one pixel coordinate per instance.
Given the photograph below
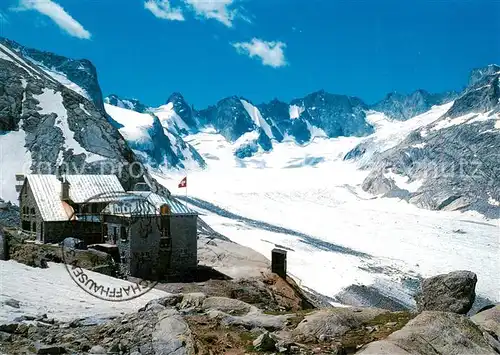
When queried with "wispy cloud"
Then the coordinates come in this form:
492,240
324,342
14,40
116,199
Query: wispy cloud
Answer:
55,12
270,53
220,10
3,18
162,9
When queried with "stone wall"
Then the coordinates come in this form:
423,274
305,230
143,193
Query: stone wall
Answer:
184,243
146,253
31,218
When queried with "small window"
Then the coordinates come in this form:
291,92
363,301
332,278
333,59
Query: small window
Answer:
33,211
33,228
123,233
26,225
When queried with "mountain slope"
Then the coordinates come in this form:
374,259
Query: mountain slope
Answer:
78,75
46,127
451,160
403,107
158,146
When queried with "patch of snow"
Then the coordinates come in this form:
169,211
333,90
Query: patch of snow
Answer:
315,131
169,118
465,119
295,111
403,182
419,145
135,125
20,62
51,101
5,57
53,292
63,79
257,118
82,107
493,202
15,159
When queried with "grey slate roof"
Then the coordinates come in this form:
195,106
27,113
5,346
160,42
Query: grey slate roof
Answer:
47,192
144,203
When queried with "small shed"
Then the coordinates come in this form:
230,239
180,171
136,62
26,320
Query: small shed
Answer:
156,235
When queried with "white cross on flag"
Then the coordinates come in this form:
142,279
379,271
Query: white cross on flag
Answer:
183,182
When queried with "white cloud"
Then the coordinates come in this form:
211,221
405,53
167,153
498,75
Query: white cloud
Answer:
214,9
162,9
270,53
58,15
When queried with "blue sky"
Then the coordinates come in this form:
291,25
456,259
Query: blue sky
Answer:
262,49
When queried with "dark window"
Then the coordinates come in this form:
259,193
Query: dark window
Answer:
95,208
33,211
34,227
26,225
123,233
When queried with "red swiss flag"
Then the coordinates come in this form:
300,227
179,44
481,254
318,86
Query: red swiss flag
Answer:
183,182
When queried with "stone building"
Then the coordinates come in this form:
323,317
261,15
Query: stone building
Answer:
53,208
156,236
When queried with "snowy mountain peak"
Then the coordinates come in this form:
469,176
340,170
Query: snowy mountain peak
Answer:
478,74
79,75
130,104
184,110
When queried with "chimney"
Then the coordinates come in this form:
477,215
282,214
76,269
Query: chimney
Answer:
64,189
278,262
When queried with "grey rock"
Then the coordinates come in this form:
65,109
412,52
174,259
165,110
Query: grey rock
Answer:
402,107
12,303
8,327
97,349
172,335
252,320
489,319
333,322
49,349
433,333
5,336
264,342
453,292
227,305
192,300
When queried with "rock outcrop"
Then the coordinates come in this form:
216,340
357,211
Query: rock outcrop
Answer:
332,323
453,292
433,333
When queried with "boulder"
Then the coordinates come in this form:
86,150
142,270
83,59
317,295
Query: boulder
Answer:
453,292
252,320
227,305
171,335
192,300
489,320
49,349
264,343
433,333
334,322
97,349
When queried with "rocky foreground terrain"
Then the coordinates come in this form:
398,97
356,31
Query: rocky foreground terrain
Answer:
263,313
